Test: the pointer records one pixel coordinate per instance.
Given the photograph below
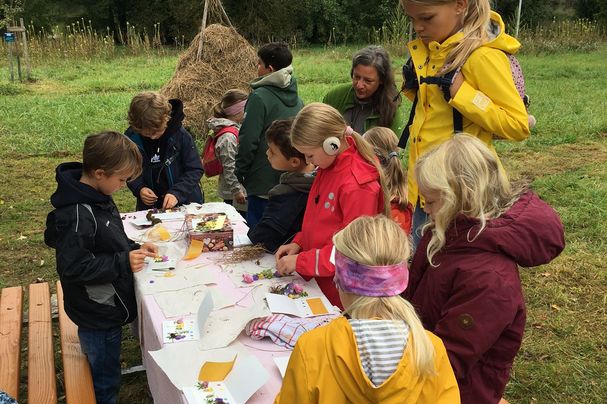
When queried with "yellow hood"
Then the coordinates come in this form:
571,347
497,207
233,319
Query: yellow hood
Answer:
499,39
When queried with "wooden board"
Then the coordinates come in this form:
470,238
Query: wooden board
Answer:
11,304
76,370
41,385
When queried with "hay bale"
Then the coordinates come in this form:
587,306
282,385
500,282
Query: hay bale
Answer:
228,61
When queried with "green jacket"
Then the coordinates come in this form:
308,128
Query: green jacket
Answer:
342,98
274,97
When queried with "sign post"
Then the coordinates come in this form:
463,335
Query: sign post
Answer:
9,38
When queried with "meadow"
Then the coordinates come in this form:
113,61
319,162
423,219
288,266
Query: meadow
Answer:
564,353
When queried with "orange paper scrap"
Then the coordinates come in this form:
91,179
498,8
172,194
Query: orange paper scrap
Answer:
317,306
194,251
215,371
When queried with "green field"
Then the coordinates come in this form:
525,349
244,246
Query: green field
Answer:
564,353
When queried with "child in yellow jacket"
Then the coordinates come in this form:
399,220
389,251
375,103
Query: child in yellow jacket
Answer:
464,36
381,352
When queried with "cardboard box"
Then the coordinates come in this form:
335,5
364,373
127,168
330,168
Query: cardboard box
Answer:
213,229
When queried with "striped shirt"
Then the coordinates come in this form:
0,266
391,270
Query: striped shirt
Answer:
381,344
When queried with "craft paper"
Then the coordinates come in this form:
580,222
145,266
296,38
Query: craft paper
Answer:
302,307
216,371
187,301
157,264
281,363
214,207
169,216
152,283
241,240
182,329
223,326
141,222
247,376
194,250
208,224
235,271
204,310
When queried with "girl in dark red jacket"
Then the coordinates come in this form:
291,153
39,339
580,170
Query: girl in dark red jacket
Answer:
464,279
347,185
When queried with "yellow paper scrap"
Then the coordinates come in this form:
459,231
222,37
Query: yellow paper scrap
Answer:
195,249
317,306
215,371
158,232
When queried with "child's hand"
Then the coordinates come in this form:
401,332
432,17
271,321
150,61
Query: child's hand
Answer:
150,247
170,201
137,259
287,264
240,198
287,249
148,196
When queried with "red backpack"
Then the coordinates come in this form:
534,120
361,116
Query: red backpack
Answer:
210,162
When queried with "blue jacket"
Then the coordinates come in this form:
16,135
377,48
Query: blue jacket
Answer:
182,167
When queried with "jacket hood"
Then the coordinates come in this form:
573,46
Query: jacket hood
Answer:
215,124
293,182
530,232
498,38
177,116
70,190
353,380
281,83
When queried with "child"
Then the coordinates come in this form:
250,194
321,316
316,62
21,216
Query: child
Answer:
379,352
284,214
225,123
464,36
385,144
95,259
274,97
347,185
464,277
171,162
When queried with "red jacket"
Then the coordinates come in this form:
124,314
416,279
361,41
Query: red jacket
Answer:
474,301
340,193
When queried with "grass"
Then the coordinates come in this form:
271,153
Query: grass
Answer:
564,354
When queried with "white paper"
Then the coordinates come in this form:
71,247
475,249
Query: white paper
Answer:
214,207
281,363
151,266
204,310
141,222
241,240
179,330
169,216
296,307
180,279
235,271
219,390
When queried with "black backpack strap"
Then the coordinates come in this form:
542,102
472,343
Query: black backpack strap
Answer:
404,137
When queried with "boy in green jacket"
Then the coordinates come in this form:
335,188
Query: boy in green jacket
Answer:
274,96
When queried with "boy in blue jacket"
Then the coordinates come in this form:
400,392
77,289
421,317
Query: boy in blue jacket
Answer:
171,163
95,258
284,212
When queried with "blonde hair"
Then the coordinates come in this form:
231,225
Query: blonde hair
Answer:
317,122
474,27
469,180
149,110
111,152
378,240
230,98
384,142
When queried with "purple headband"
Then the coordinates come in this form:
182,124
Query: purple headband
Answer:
370,280
235,108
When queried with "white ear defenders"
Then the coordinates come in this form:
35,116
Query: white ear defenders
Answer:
331,145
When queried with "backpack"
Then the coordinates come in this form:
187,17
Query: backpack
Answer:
210,162
444,83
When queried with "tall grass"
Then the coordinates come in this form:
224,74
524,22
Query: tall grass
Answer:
79,40
562,36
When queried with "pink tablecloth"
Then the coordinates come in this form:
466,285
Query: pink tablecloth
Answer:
150,322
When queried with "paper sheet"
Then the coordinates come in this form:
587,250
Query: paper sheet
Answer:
302,307
179,330
281,363
214,207
235,271
147,284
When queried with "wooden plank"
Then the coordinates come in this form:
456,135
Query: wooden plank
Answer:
76,370
41,385
11,304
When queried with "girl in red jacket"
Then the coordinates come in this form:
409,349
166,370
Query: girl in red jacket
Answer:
347,185
385,145
464,280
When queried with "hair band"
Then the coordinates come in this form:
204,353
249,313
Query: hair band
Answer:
392,154
370,280
348,131
235,109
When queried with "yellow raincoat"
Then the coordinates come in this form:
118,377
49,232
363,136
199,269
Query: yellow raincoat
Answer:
488,99
325,367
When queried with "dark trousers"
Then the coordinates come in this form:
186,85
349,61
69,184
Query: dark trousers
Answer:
419,219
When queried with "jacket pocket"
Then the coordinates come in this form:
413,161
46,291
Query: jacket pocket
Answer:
102,294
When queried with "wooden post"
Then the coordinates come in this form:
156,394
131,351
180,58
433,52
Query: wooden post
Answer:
28,67
518,17
10,59
204,25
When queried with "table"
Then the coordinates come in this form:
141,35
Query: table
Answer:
150,329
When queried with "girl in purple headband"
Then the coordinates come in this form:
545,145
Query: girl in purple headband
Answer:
380,352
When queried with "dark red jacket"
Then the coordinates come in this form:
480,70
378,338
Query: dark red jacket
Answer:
347,189
473,299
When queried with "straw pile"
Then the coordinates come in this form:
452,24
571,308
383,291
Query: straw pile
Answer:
228,61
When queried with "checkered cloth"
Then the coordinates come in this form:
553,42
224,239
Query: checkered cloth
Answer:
284,330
